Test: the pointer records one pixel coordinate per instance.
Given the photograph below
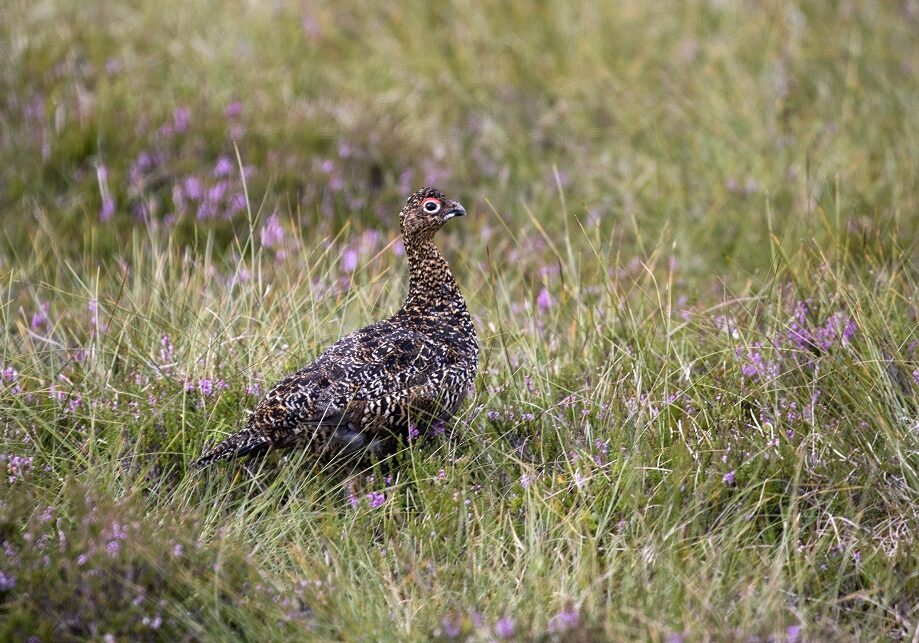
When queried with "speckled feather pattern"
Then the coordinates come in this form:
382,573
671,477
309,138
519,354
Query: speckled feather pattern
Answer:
365,390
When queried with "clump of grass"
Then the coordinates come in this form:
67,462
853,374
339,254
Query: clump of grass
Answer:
688,422
88,566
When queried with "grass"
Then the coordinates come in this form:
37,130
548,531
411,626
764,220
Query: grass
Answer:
690,263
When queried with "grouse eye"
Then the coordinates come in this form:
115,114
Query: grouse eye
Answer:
431,205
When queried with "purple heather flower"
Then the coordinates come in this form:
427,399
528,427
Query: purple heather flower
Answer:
504,627
7,582
376,498
492,415
217,192
17,466
568,619
177,550
544,300
193,188
413,433
113,547
181,116
73,404
107,209
233,110
235,204
205,386
272,233
793,633
9,374
93,308
310,26
40,317
451,627
154,622
349,261
405,181
224,167
82,559
848,332
728,478
166,349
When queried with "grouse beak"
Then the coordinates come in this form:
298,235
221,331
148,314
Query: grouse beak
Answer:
456,211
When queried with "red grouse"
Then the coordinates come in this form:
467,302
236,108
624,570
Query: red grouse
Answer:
371,387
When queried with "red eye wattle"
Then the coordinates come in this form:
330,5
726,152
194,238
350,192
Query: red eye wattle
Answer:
431,205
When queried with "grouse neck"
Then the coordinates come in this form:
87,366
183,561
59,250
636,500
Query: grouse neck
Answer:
429,276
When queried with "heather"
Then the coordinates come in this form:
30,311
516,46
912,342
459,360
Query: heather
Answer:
689,257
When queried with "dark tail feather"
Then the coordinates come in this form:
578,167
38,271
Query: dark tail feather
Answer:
242,443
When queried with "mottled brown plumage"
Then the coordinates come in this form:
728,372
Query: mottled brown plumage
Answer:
368,388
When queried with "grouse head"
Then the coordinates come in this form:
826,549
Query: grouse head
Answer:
425,212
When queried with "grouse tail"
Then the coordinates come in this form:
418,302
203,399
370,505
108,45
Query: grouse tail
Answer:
244,442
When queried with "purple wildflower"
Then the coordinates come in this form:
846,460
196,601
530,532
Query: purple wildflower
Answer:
7,582
793,633
205,386
544,300
181,117
233,110
166,349
224,167
504,627
272,233
193,188
107,209
154,622
376,498
349,261
568,619
93,308
728,478
40,316
413,433
217,192
17,466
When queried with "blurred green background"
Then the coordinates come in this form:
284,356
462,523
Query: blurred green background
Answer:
714,124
